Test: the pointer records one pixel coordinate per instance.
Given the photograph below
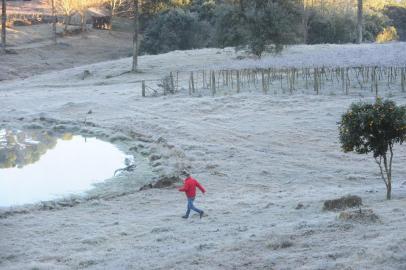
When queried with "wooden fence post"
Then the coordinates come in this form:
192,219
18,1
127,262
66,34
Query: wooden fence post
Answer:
316,80
238,82
347,82
192,82
213,83
143,89
177,81
172,81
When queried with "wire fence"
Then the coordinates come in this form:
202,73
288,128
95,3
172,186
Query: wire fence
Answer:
317,80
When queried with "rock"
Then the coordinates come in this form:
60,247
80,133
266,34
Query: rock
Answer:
119,138
86,73
362,216
145,152
49,205
269,205
68,203
342,203
166,182
145,140
299,206
156,164
163,182
280,244
155,157
161,140
145,187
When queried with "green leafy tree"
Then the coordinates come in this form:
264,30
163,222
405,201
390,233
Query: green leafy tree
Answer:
374,128
174,29
230,27
272,24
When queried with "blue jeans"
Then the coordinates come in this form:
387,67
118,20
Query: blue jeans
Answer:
190,206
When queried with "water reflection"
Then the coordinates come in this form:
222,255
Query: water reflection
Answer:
37,166
18,148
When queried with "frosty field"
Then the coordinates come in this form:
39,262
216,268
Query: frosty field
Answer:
258,156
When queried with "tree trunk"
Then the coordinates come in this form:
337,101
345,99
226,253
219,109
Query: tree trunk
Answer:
3,25
305,21
135,38
83,21
359,21
389,190
53,21
388,171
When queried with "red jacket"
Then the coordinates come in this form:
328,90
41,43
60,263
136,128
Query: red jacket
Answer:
190,187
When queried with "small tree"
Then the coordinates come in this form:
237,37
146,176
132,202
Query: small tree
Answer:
375,128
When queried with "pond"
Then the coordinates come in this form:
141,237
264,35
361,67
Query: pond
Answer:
38,166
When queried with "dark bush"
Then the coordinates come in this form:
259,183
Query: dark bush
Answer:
335,28
174,29
397,15
373,25
342,203
230,26
271,25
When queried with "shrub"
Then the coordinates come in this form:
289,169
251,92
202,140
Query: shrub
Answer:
375,128
333,28
373,25
205,9
271,24
397,15
387,35
230,26
343,203
320,29
174,29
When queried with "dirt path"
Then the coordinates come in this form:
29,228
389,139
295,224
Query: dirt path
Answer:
38,55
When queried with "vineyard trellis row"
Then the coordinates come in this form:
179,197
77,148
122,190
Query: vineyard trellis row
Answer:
317,80
290,80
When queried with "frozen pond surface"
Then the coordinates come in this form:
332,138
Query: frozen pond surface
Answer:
38,167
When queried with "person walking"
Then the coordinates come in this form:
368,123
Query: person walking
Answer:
189,187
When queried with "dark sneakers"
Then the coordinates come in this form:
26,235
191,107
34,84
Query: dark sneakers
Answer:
200,214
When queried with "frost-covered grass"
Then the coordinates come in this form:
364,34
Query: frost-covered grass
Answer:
257,155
